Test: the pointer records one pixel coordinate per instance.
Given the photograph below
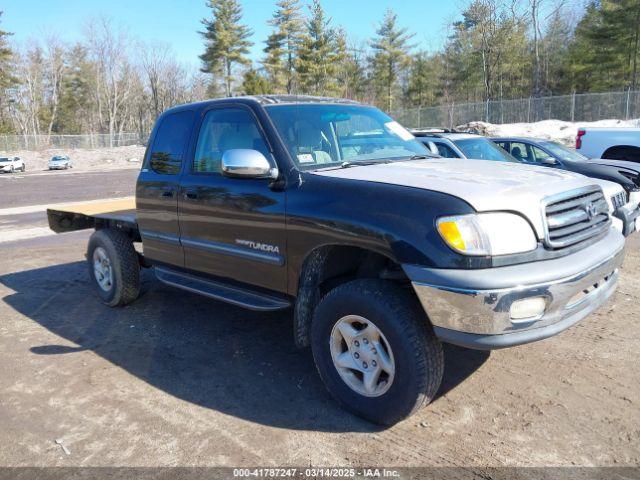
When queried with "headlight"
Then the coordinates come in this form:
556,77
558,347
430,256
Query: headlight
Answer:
487,234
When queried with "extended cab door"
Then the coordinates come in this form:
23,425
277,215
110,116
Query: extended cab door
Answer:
232,227
157,188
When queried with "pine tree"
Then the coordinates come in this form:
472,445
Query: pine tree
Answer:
226,40
7,80
390,55
255,84
421,89
555,55
283,45
352,75
620,34
321,54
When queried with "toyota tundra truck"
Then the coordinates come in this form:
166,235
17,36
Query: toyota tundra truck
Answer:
380,251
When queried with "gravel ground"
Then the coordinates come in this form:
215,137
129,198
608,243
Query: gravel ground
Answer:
180,380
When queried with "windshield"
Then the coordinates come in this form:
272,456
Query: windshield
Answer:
319,136
563,153
482,149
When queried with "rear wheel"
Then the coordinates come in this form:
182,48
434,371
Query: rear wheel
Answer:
375,350
24,167
113,267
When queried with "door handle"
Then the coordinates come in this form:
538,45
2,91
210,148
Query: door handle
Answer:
191,194
167,194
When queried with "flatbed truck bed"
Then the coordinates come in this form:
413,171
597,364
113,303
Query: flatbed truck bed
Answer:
117,213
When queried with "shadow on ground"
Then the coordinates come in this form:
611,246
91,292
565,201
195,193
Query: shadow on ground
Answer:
209,353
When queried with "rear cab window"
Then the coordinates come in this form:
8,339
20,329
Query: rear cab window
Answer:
170,143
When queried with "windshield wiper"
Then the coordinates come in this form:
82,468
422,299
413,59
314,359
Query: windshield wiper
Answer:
347,164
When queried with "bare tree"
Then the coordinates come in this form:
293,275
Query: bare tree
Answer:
54,52
108,47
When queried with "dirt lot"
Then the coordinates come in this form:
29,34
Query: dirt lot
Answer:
179,380
84,159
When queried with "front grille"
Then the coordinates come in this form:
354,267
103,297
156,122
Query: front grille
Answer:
619,200
575,216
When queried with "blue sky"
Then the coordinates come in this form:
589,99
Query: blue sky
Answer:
177,22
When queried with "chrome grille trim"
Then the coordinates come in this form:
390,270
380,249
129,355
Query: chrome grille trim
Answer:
574,216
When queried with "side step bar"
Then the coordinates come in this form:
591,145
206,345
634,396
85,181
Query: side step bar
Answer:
219,291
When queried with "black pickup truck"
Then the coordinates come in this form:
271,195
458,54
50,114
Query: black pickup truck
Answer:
333,211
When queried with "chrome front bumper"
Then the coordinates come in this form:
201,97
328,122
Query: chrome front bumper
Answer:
471,308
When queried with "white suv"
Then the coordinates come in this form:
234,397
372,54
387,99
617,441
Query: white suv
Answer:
10,165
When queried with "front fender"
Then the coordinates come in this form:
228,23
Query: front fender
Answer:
395,221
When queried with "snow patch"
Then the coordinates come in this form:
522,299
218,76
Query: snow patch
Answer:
557,130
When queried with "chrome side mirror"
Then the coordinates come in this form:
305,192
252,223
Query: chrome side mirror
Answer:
247,163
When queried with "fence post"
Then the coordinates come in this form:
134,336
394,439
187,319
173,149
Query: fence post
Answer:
419,117
626,113
529,111
573,106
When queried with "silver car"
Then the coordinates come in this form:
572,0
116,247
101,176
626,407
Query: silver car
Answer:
60,162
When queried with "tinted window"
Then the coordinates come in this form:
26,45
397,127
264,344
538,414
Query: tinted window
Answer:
522,152
446,151
222,130
540,154
170,142
482,149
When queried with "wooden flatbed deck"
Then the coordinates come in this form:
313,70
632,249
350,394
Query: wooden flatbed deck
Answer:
120,213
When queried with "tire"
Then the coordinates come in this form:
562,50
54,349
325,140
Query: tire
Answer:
12,169
124,268
24,167
413,348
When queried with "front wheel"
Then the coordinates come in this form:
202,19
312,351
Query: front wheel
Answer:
375,350
113,267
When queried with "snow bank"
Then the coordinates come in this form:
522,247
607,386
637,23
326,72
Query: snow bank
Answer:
558,130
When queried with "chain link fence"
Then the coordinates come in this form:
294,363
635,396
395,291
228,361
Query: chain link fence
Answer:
88,141
583,107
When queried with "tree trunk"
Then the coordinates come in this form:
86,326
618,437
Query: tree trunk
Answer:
634,75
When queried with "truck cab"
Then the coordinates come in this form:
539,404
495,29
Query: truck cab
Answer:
331,211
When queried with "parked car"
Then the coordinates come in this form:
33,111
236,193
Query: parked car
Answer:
331,209
609,143
12,164
60,162
555,155
452,144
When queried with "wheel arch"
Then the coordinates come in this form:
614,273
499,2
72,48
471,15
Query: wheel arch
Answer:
330,265
621,149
